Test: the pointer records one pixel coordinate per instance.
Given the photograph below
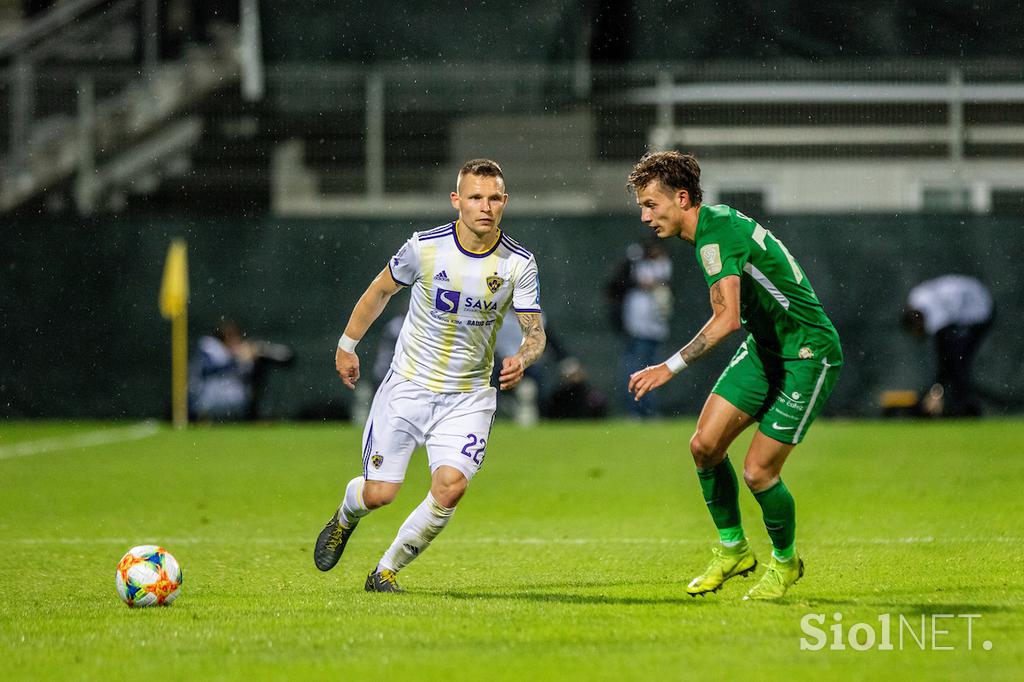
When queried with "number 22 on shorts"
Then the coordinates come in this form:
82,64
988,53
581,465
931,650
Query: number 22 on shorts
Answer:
476,455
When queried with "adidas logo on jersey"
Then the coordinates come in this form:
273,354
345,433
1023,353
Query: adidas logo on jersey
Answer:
441,277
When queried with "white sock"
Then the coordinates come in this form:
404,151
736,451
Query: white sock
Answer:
352,507
422,526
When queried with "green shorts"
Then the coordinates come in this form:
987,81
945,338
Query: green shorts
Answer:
785,396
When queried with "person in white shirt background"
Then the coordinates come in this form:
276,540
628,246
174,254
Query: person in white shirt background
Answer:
957,312
646,310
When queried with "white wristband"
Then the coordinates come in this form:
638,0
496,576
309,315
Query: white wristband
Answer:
676,364
347,344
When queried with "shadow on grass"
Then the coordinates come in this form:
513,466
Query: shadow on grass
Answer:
908,608
566,598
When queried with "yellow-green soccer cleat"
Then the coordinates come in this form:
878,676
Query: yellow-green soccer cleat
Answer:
382,581
777,579
727,562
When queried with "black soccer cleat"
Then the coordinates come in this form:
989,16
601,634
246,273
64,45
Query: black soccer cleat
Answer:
330,544
382,581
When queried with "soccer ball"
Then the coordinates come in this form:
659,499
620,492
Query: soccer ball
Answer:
148,576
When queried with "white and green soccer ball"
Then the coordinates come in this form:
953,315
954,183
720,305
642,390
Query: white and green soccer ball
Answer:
148,575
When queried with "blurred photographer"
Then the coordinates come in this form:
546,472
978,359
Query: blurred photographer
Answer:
227,373
957,312
575,397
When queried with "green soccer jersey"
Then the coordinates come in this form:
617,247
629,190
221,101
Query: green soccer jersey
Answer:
777,304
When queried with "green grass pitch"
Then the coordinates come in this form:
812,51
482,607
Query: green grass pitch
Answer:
566,560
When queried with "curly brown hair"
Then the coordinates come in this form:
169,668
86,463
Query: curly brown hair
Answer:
673,170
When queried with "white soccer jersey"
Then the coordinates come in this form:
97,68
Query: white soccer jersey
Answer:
457,303
951,299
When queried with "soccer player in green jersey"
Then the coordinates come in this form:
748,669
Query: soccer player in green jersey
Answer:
781,375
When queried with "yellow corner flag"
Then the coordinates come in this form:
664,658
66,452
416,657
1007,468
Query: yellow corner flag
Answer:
174,287
174,306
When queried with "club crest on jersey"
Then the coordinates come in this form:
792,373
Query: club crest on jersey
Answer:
494,283
377,460
711,257
447,301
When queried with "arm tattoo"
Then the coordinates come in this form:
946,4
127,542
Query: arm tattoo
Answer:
711,333
534,338
695,348
717,297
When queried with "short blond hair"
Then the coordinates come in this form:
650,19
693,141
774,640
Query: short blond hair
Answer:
488,168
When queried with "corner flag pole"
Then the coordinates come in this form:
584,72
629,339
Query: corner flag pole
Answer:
174,306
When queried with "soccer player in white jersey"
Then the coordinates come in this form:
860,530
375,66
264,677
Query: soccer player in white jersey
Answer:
465,276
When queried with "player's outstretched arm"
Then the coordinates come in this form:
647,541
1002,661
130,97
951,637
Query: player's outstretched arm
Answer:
369,307
534,340
725,319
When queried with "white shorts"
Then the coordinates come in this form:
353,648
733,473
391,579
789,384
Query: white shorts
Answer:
455,427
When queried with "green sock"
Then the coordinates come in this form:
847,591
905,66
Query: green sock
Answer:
779,512
722,494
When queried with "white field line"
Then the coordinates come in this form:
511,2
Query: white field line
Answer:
80,440
186,540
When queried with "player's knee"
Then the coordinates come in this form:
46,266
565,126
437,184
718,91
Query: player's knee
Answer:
377,494
705,453
450,494
758,478
449,498
448,490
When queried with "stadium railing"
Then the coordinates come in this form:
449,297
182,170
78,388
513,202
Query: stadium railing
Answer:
914,136
89,95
